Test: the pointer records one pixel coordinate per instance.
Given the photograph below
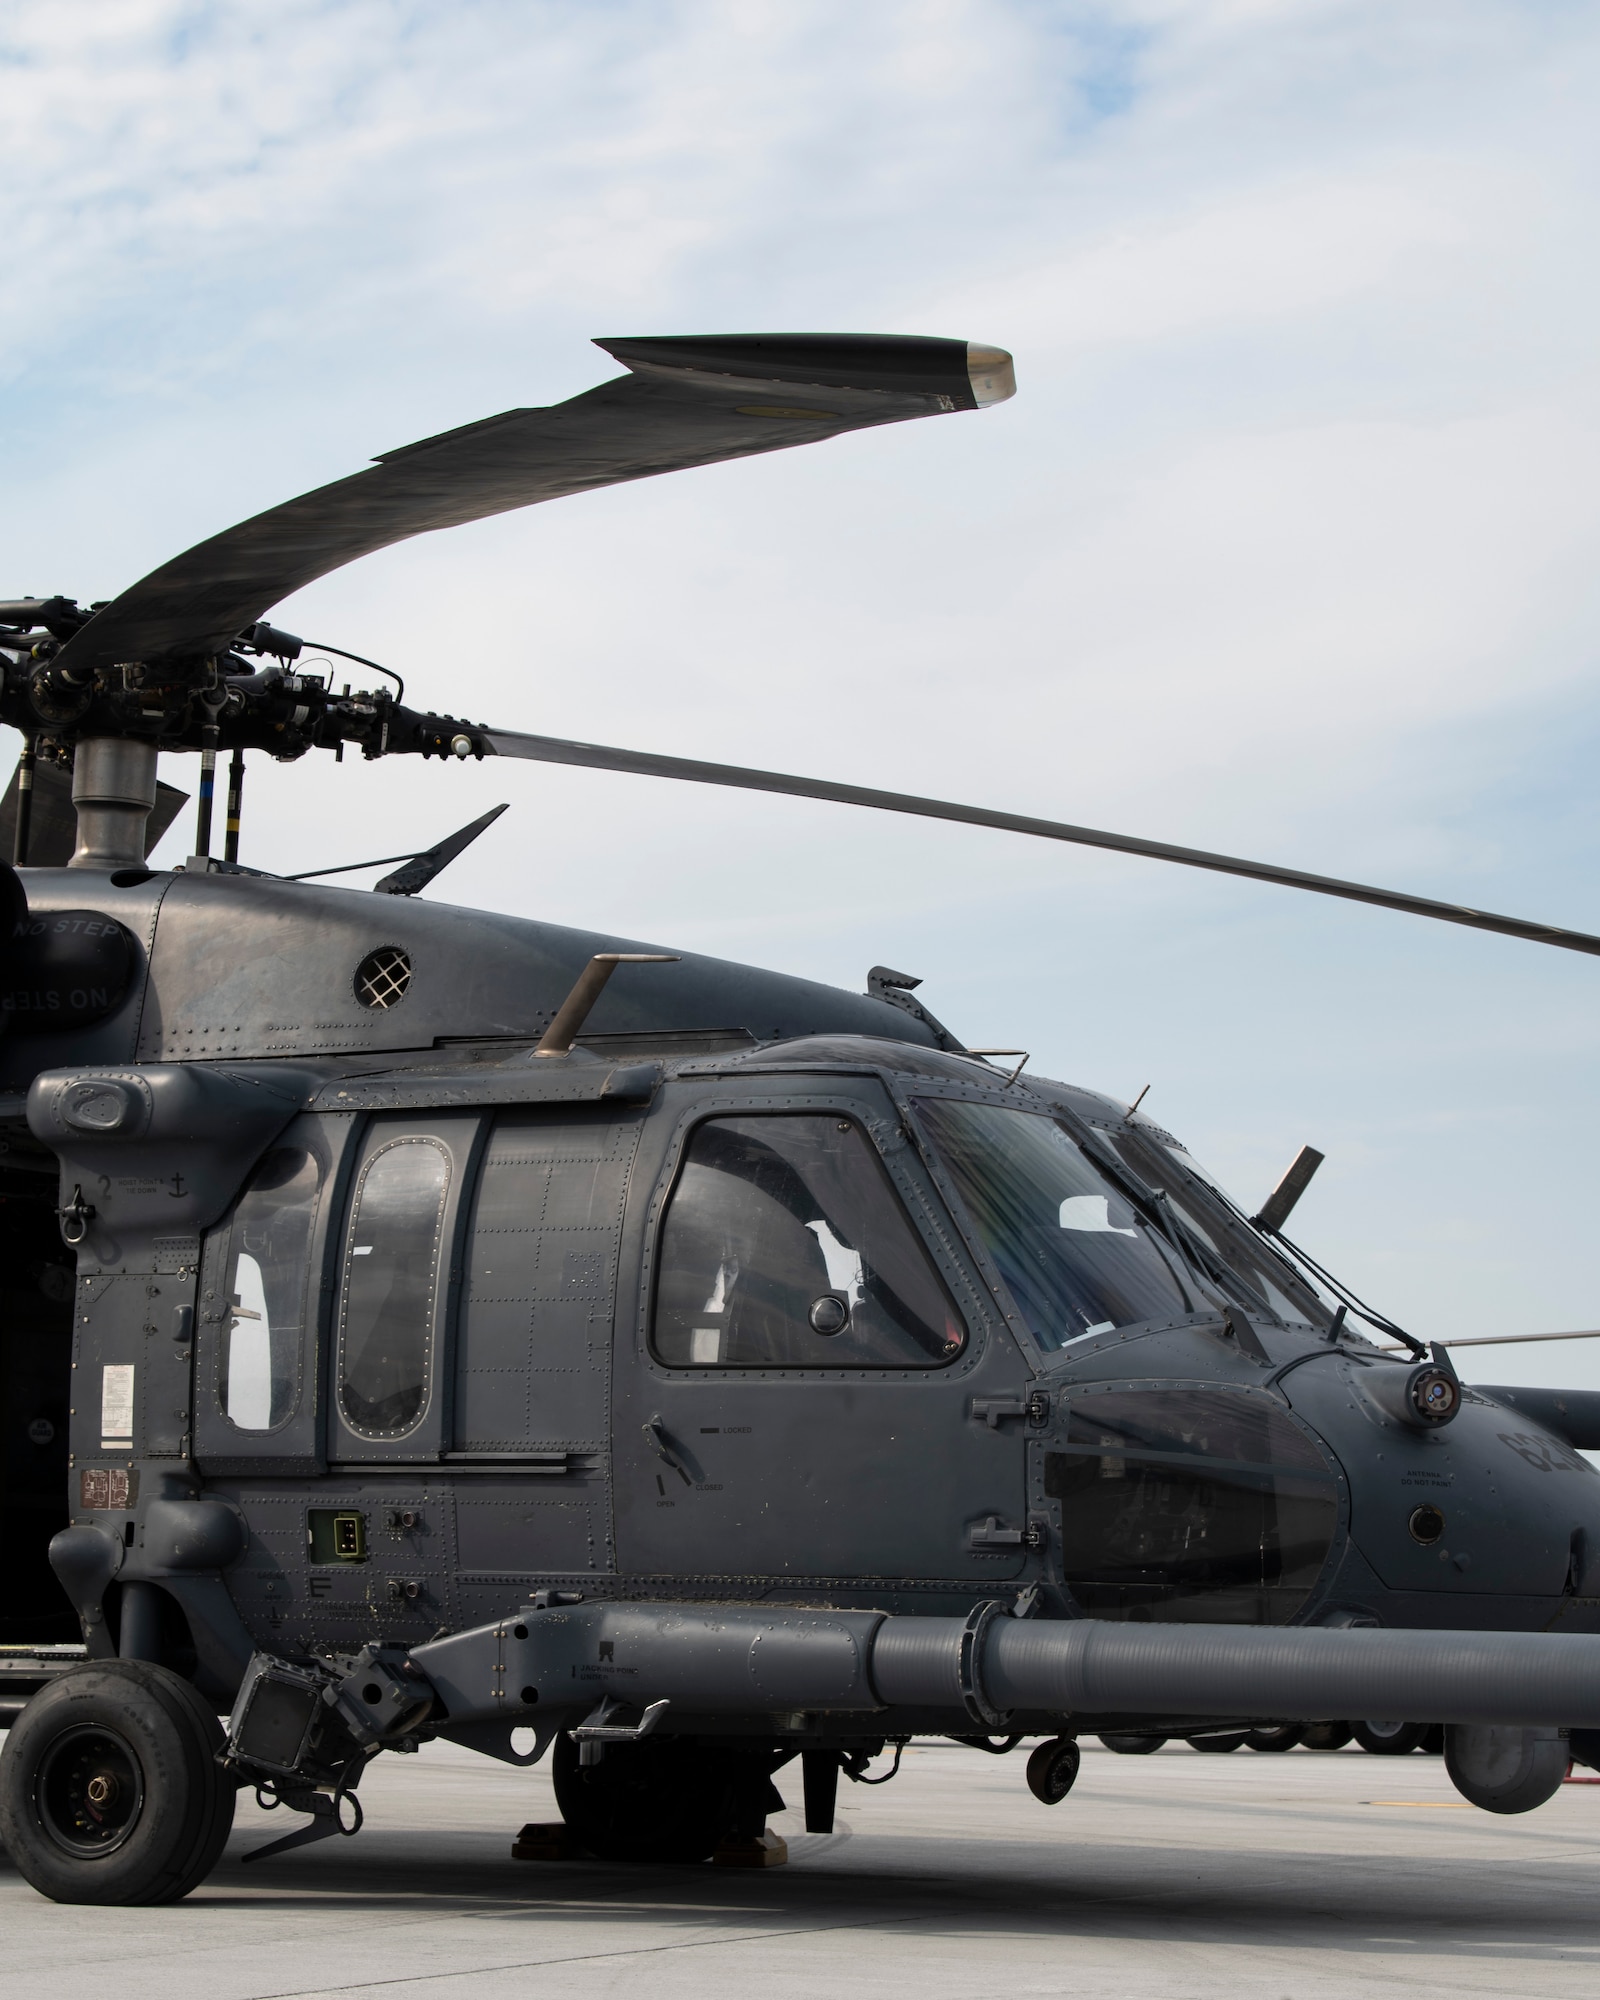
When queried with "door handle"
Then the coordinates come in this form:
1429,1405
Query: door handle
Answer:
655,1436
1034,1406
992,1534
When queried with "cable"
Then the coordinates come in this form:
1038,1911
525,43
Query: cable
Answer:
1296,1255
316,646
856,1778
1370,1314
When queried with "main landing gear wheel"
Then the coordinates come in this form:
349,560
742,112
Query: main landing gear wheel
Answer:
1233,1740
1327,1735
662,1799
1505,1770
1127,1745
110,1791
1282,1736
1053,1770
1390,1739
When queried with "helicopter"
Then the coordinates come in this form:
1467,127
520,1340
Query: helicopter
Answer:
427,1324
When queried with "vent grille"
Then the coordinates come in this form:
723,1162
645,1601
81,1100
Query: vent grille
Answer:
383,976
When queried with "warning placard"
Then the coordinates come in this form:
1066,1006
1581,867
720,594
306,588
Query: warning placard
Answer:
116,1405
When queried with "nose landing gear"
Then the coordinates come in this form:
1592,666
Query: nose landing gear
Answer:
110,1791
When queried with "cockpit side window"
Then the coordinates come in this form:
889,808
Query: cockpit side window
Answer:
268,1259
1074,1253
784,1245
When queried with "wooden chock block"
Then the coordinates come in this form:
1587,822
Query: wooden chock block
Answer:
546,1840
766,1850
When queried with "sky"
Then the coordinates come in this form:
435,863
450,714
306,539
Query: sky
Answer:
1285,547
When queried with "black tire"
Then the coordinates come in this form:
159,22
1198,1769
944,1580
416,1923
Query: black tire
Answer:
662,1800
1390,1739
1127,1745
1327,1735
1053,1770
110,1791
1221,1743
1280,1736
1505,1770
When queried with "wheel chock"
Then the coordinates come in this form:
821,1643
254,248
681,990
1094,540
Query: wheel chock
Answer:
547,1840
743,1850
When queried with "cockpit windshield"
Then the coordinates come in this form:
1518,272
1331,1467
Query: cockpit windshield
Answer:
1225,1251
1074,1252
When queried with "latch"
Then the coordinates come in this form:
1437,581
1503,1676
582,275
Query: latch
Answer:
1034,1406
993,1534
655,1436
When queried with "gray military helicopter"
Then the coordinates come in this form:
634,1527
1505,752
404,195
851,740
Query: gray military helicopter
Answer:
422,1323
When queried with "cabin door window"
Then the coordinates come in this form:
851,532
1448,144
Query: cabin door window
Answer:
259,1376
391,1287
398,1276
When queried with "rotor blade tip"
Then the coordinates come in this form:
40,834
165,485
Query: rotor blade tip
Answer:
992,374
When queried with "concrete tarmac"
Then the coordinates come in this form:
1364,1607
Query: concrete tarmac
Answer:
1168,1876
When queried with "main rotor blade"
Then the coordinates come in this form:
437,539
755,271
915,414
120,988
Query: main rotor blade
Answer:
598,757
1513,1339
687,401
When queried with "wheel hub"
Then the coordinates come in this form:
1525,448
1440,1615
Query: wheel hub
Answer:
90,1791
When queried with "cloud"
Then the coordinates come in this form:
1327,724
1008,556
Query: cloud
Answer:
1285,545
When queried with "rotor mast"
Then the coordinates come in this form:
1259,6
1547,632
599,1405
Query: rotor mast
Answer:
113,792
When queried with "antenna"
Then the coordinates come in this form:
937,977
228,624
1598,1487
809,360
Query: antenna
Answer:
590,984
1279,1205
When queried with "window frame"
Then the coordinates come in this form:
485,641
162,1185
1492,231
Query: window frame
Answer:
461,1137
1261,1262
233,1250
998,1295
298,1446
438,1271
884,1123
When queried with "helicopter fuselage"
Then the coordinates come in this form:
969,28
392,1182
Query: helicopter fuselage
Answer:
384,1323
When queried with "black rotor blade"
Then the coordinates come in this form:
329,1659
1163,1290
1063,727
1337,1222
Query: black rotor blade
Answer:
688,401
598,757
